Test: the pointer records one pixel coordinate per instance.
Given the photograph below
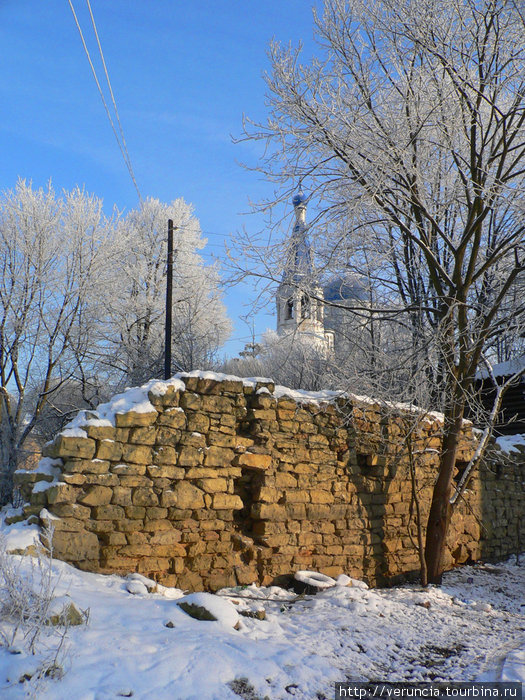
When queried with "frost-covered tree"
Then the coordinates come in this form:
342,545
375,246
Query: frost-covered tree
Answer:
409,131
132,343
53,253
82,307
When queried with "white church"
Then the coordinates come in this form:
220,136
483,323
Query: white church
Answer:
302,308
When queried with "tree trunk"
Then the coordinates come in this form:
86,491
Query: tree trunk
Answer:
8,449
441,508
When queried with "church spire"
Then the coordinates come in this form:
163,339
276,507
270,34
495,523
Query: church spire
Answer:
299,265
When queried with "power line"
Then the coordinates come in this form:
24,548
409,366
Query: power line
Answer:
122,145
128,159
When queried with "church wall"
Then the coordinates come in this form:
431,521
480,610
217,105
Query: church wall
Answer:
209,481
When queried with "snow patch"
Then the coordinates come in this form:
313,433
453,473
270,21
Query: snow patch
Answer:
19,536
74,432
221,608
511,443
131,399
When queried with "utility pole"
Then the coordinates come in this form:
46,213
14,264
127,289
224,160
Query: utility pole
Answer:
169,304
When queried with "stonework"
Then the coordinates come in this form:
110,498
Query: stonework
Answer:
215,481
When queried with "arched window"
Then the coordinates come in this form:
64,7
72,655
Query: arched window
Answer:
305,306
289,309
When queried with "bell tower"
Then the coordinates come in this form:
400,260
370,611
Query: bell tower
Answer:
299,298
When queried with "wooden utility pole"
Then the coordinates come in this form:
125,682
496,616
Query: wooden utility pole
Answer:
169,304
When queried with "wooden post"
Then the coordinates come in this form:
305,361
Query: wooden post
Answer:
169,304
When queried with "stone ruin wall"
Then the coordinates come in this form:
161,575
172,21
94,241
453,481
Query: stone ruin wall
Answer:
221,481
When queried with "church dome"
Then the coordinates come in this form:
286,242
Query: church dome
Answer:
299,198
341,289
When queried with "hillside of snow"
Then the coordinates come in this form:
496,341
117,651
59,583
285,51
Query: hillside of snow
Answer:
138,642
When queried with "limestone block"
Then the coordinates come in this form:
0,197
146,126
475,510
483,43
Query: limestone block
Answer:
184,496
128,469
75,546
167,537
165,471
265,511
113,538
211,525
135,512
169,550
100,526
201,563
137,454
156,513
174,418
212,485
121,496
157,525
71,510
136,538
218,456
267,494
316,511
196,548
108,449
195,439
189,400
168,399
101,479
250,460
296,496
188,457
320,496
135,481
189,580
132,524
107,512
74,479
63,446
38,498
100,432
259,414
318,441
143,436
81,466
62,493
227,501
285,480
167,436
228,422
204,472
178,514
222,440
135,550
217,404
212,386
144,497
133,419
198,422
96,496
296,511
21,477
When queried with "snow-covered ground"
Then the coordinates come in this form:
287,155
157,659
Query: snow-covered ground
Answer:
141,644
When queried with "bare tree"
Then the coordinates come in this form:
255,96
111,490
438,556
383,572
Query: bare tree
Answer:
409,130
51,260
131,342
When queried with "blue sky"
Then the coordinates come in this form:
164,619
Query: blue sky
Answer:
183,73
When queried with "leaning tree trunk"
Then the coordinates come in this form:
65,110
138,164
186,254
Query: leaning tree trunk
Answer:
441,508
